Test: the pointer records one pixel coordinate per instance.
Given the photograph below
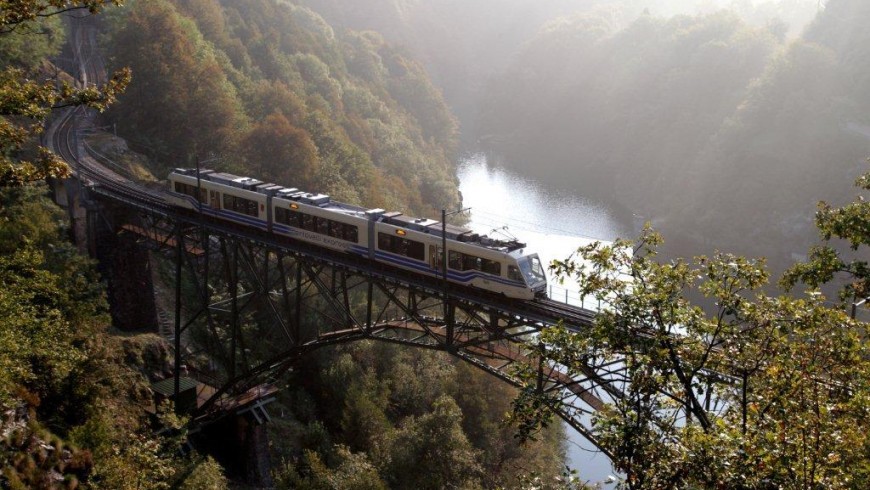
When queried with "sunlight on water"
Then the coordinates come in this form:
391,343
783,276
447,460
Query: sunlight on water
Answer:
553,224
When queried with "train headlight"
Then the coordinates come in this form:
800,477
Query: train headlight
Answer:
400,232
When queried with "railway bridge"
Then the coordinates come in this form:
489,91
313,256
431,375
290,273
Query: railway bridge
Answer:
251,304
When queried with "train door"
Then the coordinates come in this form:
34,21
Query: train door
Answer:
214,199
435,256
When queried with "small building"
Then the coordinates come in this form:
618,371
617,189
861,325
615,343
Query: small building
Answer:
187,391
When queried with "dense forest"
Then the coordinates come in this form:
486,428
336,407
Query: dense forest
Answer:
468,46
722,128
683,113
736,120
268,89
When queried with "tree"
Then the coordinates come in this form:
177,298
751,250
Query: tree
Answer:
353,471
181,103
850,223
763,392
277,150
25,102
432,451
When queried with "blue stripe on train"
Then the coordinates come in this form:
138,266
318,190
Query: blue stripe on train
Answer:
463,277
227,215
298,234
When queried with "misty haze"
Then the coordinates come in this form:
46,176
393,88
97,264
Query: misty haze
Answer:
693,115
424,244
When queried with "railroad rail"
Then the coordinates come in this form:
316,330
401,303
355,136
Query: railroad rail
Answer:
491,326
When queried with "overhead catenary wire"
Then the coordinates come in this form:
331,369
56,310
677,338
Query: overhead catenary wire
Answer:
494,221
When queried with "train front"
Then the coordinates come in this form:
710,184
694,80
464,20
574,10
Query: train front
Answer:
533,273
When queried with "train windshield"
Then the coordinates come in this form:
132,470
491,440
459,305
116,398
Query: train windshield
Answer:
532,270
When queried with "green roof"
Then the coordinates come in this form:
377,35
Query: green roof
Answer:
166,387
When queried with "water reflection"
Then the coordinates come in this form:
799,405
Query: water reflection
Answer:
553,223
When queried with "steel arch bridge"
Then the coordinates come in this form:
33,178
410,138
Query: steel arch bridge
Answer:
254,303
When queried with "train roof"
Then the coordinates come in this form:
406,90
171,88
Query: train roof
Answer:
395,218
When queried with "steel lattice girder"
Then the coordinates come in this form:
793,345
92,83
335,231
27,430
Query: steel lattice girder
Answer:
258,307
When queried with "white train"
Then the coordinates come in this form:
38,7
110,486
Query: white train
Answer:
389,237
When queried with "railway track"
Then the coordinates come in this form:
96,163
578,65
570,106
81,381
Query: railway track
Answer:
92,169
99,175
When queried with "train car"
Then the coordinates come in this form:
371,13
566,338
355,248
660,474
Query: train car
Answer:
472,260
315,218
414,244
224,196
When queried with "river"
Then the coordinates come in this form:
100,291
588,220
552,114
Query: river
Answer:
553,223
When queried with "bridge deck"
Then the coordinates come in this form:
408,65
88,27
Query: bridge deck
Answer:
161,238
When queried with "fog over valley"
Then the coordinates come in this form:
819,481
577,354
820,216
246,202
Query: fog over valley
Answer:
722,123
428,244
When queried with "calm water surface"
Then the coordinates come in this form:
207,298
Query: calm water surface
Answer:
554,223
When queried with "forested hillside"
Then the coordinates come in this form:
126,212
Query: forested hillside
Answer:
72,395
694,122
467,46
652,105
264,88
267,88
801,130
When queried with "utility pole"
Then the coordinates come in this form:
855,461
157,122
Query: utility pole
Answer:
198,189
448,314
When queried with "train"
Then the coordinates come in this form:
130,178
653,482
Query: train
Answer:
414,244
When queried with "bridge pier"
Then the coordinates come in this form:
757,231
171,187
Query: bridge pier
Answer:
126,267
240,443
123,263
66,194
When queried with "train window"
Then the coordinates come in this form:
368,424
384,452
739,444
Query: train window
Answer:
402,246
471,263
416,250
351,233
309,222
190,190
532,269
454,261
343,231
241,205
514,273
385,242
294,219
288,217
491,267
463,262
284,216
281,216
323,226
336,229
